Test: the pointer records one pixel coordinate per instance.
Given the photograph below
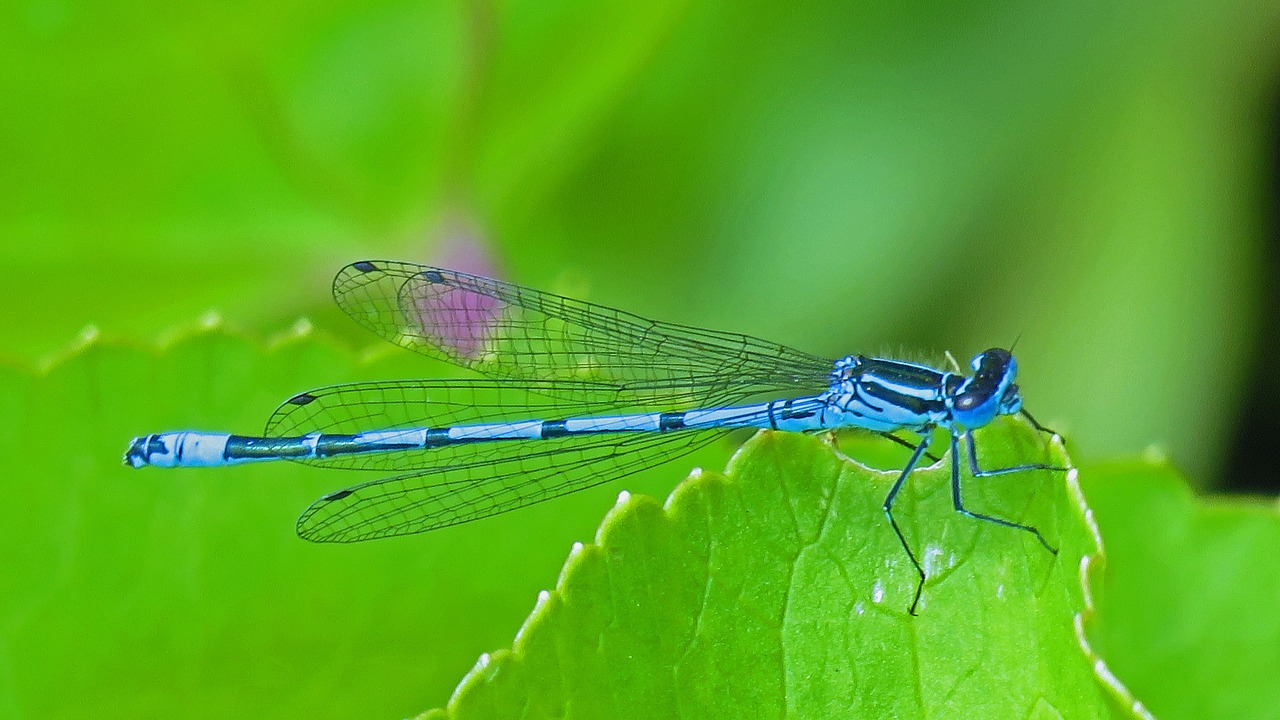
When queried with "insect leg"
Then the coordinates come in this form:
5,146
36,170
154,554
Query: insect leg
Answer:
888,512
977,472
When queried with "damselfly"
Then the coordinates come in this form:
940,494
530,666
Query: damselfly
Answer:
578,394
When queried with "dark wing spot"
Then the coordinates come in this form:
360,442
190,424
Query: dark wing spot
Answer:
302,399
364,266
433,276
336,495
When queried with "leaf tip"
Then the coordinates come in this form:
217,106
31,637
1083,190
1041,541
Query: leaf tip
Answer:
544,596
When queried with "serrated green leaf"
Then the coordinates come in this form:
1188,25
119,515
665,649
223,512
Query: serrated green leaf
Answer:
1188,609
778,589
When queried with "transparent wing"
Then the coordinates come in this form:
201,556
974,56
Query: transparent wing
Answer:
511,476
509,331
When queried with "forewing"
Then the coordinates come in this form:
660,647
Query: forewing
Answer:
510,331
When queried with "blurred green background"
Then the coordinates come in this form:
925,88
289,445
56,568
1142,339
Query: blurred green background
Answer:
1091,180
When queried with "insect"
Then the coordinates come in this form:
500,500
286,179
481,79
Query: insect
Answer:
576,394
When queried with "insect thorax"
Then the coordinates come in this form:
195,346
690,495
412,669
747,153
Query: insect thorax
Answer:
889,395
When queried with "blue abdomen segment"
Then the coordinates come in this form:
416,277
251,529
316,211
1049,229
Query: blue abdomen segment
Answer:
178,449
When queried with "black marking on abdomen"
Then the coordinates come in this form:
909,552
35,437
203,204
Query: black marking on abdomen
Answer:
240,447
364,266
155,441
330,445
670,421
790,414
438,437
553,429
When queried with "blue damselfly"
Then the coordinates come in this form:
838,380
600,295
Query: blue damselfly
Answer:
577,394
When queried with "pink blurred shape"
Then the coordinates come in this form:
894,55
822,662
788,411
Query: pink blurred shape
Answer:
461,321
